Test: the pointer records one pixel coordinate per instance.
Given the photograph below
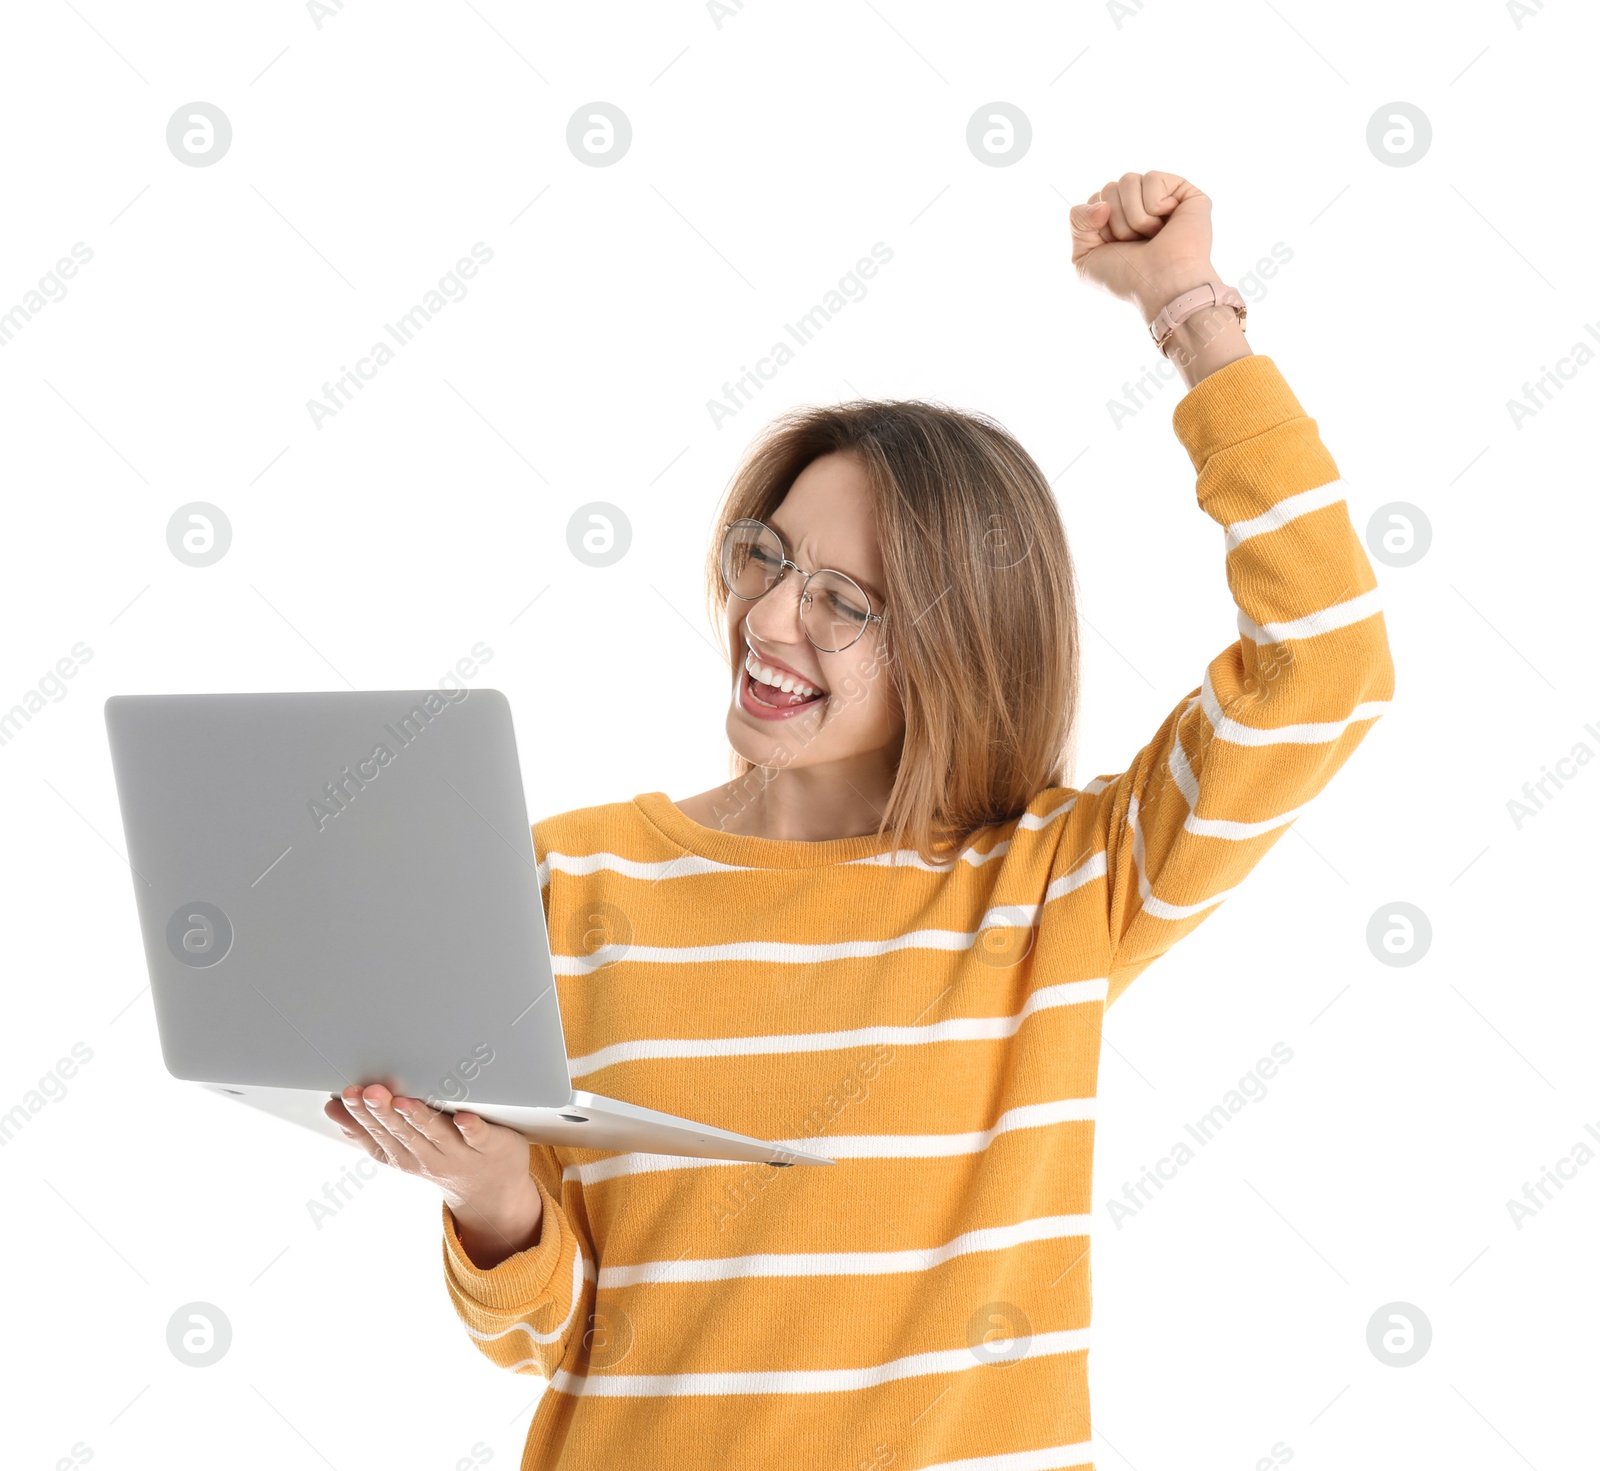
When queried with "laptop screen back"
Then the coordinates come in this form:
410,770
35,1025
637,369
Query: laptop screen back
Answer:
340,888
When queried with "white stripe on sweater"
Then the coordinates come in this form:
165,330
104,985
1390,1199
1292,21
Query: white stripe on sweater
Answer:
1093,867
953,1029
1033,821
1147,899
1237,832
854,1146
810,1381
784,952
910,858
1027,822
1189,784
687,864
1290,508
845,1263
1305,733
778,952
1324,620
582,864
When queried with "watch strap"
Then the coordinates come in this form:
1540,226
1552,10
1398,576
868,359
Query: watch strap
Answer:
1181,308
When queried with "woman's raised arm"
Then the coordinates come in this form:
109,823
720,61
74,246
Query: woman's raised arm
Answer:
1281,708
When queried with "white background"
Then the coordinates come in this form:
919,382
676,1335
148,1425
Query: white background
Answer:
769,153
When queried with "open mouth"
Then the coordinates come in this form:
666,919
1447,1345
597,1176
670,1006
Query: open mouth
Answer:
777,689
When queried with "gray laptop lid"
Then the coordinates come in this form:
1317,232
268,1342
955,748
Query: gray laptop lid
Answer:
340,888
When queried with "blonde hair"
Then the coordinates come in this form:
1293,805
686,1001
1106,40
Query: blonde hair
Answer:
980,632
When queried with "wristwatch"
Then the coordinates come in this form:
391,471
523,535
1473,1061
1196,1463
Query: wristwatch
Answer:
1181,308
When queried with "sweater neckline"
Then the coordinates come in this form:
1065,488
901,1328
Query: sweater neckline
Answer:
743,851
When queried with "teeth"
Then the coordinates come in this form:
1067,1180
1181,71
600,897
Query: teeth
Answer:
780,680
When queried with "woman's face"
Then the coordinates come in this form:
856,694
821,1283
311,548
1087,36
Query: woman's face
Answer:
825,521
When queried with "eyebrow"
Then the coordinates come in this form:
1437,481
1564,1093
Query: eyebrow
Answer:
788,546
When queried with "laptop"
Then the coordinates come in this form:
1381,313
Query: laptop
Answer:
341,888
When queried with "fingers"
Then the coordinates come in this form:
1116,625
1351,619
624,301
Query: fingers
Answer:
370,1145
1175,187
1140,203
1088,224
475,1132
393,1151
352,1130
405,1132
1089,221
1117,226
381,1105
1136,201
433,1124
1131,213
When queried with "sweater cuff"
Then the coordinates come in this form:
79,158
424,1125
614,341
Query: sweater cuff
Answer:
521,1282
1245,398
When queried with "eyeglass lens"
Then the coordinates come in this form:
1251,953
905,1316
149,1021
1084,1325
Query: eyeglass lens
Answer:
833,611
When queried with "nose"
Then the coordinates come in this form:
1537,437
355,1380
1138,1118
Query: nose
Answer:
774,617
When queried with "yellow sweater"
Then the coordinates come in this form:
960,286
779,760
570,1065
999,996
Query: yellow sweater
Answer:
925,1301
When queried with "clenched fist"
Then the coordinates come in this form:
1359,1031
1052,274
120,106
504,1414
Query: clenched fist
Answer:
1145,238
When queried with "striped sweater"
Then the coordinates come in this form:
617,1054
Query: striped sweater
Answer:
936,1031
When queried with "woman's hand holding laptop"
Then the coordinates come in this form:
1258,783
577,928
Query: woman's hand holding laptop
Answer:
481,1169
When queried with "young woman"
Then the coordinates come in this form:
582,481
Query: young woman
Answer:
891,939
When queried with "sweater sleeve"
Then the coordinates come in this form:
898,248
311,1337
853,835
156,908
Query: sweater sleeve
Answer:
1278,711
523,1313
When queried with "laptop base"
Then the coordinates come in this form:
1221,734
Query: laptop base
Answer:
587,1121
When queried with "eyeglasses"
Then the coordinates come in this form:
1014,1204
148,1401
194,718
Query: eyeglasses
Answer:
834,612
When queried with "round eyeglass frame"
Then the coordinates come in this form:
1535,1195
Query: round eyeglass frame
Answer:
784,565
